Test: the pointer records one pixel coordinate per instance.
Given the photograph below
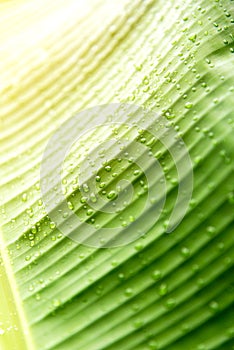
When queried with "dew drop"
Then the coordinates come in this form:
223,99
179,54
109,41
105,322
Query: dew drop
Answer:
93,198
124,224
108,168
98,178
56,302
31,288
231,197
214,306
156,275
230,332
85,188
201,347
139,246
210,230
83,200
52,225
121,276
128,292
111,195
171,303
24,197
136,172
102,184
37,297
188,105
70,205
153,345
185,252
193,37
163,289
89,212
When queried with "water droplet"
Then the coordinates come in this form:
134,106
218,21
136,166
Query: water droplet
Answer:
156,275
93,198
108,168
24,197
31,236
174,181
56,302
124,224
201,347
163,289
34,230
136,172
128,292
89,212
52,225
31,288
210,230
139,246
231,197
138,67
188,105
111,195
185,252
193,202
98,178
171,303
230,332
153,345
38,297
70,205
85,188
112,29
121,276
214,306
193,37
83,200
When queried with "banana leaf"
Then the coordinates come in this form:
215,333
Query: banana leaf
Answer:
160,285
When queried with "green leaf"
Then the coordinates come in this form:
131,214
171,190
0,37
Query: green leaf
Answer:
164,290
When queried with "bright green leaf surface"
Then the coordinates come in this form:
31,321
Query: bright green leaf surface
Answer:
164,291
